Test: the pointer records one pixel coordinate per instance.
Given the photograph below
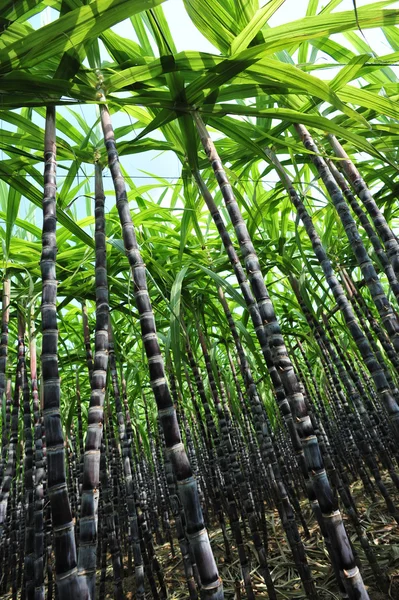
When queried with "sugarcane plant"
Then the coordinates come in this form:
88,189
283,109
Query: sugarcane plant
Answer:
199,370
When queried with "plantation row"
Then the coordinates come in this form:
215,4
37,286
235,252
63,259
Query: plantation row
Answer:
199,369
65,509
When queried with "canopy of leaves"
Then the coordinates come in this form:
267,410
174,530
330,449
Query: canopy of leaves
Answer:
261,77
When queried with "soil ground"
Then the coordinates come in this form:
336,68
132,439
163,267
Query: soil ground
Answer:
381,528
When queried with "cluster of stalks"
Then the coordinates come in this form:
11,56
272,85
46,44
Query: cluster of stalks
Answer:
68,507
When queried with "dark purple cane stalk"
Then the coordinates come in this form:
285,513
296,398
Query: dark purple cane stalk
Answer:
269,457
187,485
86,337
63,527
5,317
388,317
127,460
91,462
343,556
345,308
29,545
386,234
108,522
368,228
264,344
38,516
10,472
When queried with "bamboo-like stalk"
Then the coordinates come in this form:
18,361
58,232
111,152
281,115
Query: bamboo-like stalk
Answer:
386,234
214,487
179,519
345,308
332,517
127,460
368,228
48,541
86,337
253,310
15,529
270,459
28,484
388,317
357,394
363,312
381,335
103,557
322,410
10,471
250,302
80,458
108,521
5,317
225,458
38,471
187,485
63,527
362,449
91,462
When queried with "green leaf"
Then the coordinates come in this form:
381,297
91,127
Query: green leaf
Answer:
243,39
24,224
214,21
13,202
309,28
175,305
224,284
292,116
22,186
71,30
382,106
349,72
